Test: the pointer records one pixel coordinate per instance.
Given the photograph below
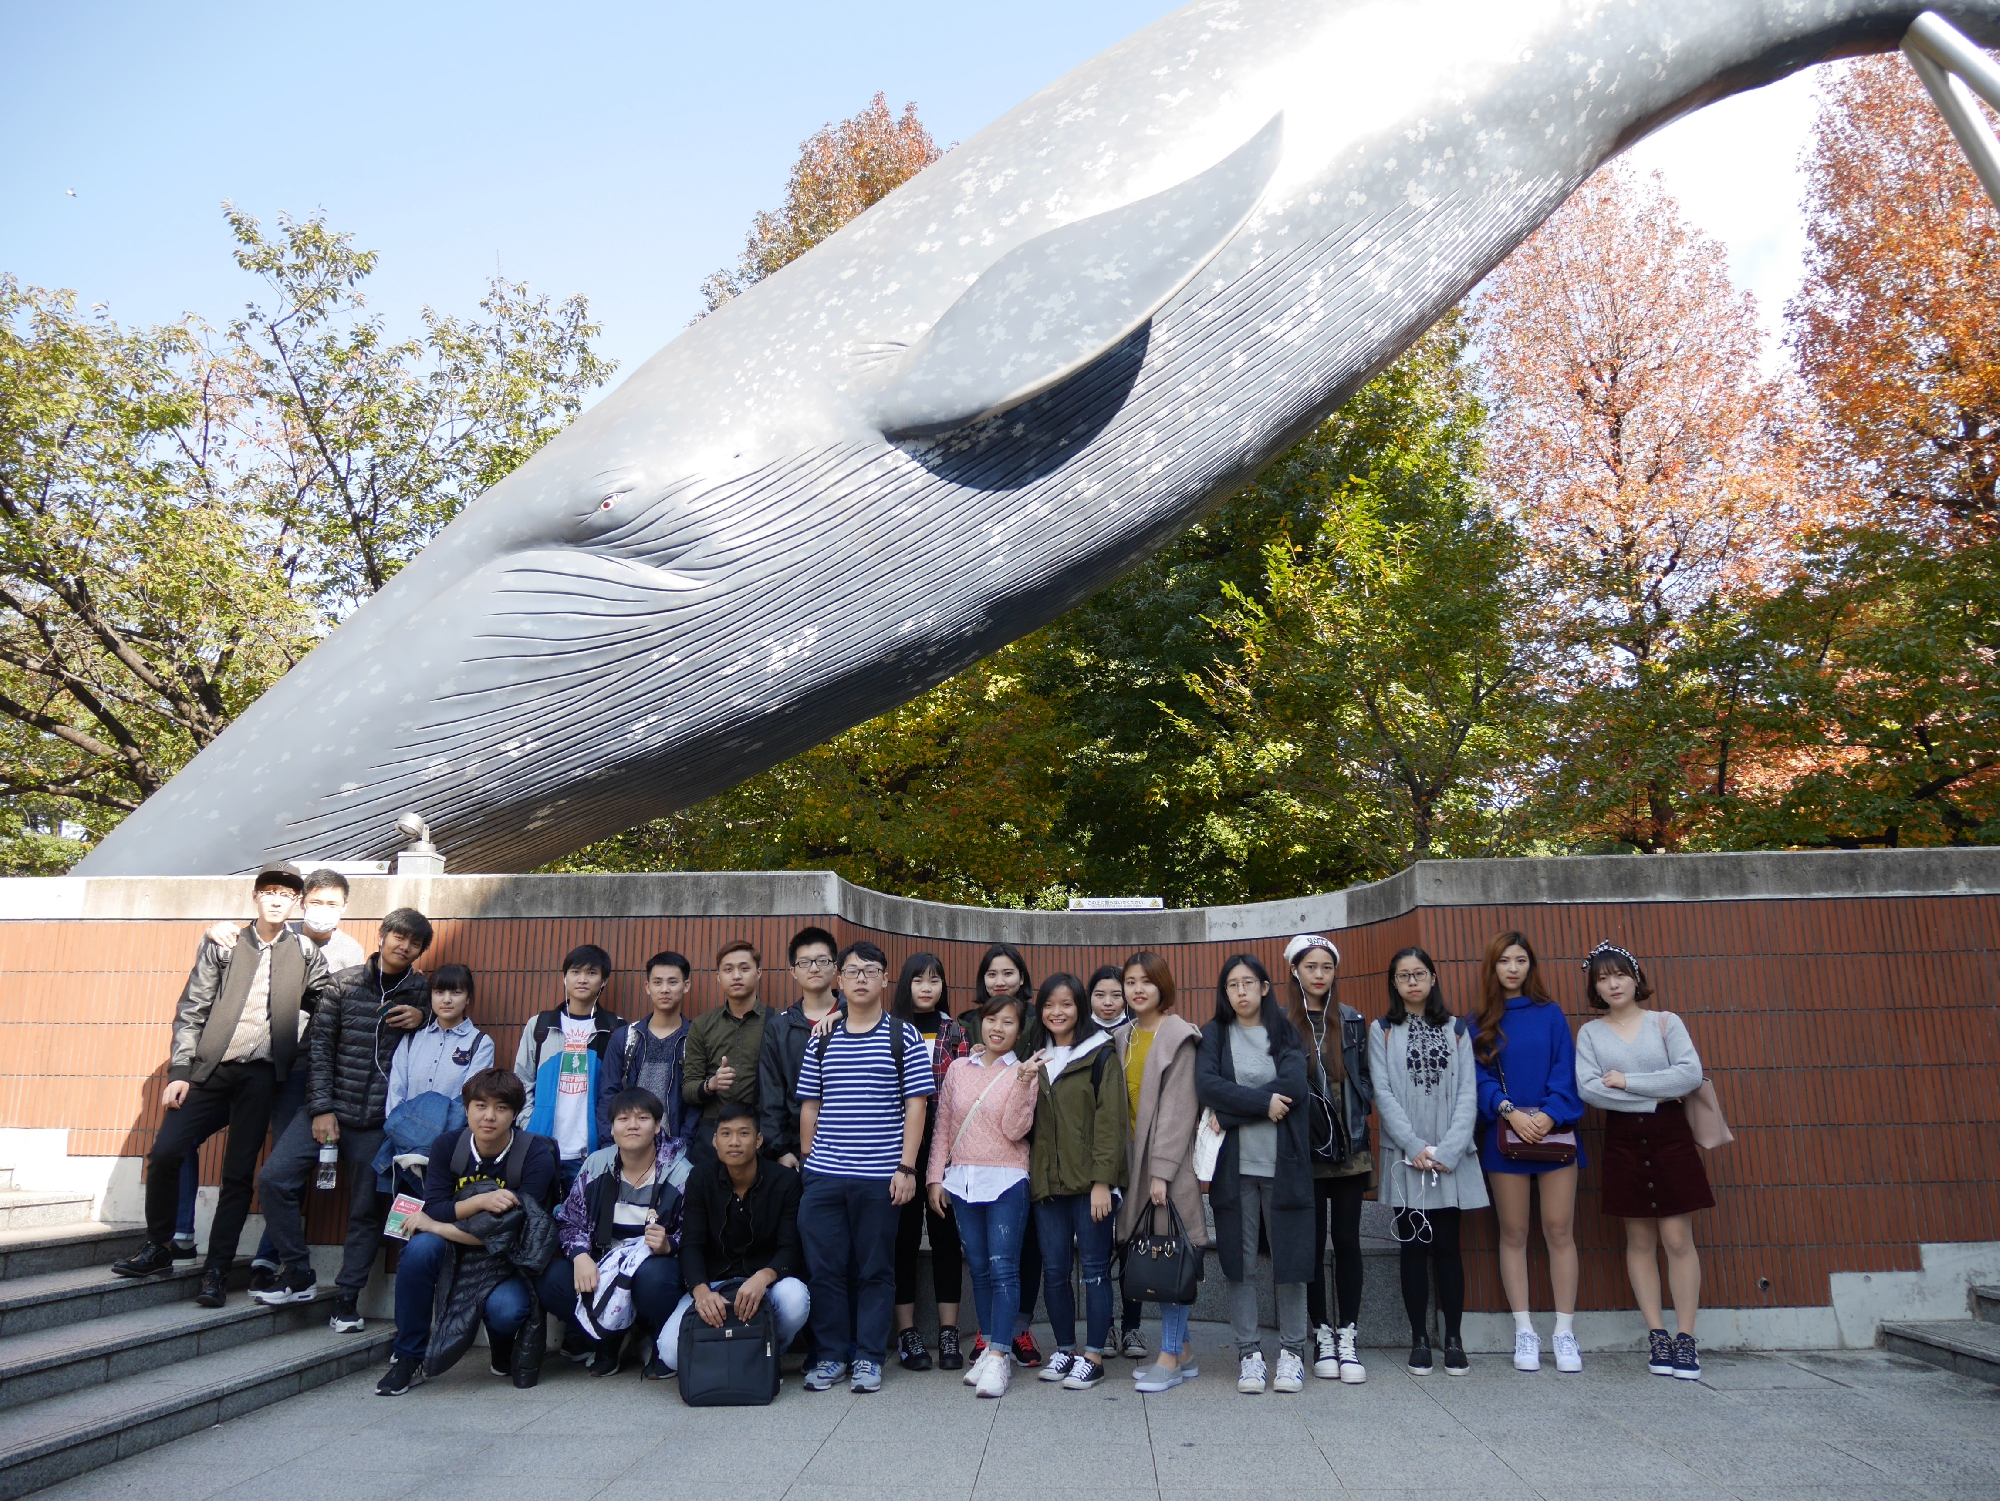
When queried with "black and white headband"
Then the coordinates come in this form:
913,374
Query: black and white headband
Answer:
1606,946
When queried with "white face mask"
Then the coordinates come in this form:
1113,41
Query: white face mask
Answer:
319,921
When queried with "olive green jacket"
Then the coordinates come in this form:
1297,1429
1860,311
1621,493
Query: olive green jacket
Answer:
1081,1123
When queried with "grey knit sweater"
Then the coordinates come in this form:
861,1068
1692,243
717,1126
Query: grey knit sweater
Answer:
1659,1064
1427,1094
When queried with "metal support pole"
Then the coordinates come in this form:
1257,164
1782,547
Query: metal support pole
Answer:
1947,60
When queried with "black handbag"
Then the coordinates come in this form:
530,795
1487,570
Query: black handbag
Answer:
1155,1268
734,1366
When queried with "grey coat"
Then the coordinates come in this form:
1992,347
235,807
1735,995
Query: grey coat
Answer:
1435,1106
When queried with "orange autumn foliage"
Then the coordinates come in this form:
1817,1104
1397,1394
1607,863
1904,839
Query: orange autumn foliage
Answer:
1897,328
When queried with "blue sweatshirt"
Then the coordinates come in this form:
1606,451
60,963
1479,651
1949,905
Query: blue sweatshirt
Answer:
1538,1056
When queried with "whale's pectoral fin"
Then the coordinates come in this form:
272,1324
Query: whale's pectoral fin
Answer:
1050,307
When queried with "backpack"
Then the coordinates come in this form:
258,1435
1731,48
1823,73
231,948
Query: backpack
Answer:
510,1166
600,1038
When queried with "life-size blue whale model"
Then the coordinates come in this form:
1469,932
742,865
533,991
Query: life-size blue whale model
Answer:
992,393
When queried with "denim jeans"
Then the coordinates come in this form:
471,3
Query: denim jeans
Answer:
1174,1327
656,1288
281,1188
1060,1224
992,1234
848,1229
417,1271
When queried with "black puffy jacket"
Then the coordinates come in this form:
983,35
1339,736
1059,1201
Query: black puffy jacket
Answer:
351,1048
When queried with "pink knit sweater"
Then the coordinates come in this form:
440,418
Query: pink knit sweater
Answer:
997,1135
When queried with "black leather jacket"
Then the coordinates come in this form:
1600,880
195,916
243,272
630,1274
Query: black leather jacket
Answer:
351,1048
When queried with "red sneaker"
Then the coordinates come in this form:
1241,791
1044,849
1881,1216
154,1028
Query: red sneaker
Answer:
1025,1352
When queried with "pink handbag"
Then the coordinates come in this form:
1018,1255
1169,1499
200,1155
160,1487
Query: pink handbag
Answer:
1704,1111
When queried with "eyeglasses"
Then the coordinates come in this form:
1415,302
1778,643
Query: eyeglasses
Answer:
863,972
1412,974
812,964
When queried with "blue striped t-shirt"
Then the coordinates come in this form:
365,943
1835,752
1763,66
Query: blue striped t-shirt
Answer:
860,1129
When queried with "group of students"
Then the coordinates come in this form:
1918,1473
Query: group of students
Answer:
624,1174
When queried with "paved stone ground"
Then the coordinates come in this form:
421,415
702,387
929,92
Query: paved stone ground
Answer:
1757,1428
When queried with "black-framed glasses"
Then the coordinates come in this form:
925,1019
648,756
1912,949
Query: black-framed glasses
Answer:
864,972
812,964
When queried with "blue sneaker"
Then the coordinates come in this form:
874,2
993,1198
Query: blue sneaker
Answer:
867,1377
825,1375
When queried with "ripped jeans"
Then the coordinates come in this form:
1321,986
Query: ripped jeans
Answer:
1061,1223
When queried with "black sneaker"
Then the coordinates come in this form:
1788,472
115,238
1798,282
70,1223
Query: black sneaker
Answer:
949,1358
1687,1364
500,1356
346,1313
1025,1351
183,1248
910,1351
148,1261
610,1355
1420,1356
295,1285
214,1288
403,1374
1659,1352
262,1280
575,1349
654,1369
1455,1363
1083,1374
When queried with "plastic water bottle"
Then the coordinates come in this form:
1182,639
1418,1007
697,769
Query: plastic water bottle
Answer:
329,1165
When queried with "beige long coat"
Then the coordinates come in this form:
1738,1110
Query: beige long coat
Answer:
1163,1137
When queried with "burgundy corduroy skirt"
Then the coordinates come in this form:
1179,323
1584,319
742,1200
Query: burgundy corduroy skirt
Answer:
1652,1168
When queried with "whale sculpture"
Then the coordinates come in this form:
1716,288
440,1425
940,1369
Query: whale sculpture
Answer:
998,389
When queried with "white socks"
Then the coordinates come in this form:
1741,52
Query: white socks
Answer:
1565,1323
1524,1323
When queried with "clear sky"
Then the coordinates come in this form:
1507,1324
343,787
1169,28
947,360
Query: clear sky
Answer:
613,149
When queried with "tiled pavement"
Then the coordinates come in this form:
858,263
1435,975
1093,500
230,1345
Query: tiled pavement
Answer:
1800,1427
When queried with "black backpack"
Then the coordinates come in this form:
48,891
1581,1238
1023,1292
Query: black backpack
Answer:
897,1046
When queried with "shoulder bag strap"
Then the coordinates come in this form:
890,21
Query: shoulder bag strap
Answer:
1000,1072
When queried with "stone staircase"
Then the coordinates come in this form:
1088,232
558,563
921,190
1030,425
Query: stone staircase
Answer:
1969,1346
94,1367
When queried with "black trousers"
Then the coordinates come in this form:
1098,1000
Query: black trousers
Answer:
1430,1256
1337,1205
293,1163
239,1094
947,1256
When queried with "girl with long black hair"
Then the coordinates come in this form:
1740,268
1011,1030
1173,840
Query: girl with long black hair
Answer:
1251,1072
1343,1166
921,1000
1427,1093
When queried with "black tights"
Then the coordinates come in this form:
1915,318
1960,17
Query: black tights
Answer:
1431,1257
947,1259
1337,1200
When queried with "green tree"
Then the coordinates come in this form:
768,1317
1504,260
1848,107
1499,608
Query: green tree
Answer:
183,512
142,606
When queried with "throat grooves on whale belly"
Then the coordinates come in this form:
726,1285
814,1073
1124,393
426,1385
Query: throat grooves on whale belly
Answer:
1315,320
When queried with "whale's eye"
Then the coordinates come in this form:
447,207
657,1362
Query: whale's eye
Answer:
609,502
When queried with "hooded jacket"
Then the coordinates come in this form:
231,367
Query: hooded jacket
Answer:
538,1058
1163,1135
1080,1122
351,1051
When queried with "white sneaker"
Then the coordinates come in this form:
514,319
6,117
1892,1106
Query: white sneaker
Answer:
998,1371
1057,1365
1352,1371
1291,1375
977,1363
1250,1374
1568,1357
1527,1350
1326,1353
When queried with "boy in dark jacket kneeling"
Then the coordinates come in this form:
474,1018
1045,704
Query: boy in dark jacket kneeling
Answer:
524,1165
739,1237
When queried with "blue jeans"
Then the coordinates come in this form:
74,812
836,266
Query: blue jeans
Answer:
1174,1328
992,1234
1060,1223
656,1289
288,1102
848,1229
417,1271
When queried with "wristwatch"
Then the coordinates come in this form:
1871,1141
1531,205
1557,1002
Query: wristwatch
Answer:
904,1168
